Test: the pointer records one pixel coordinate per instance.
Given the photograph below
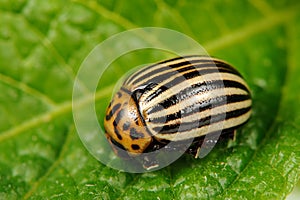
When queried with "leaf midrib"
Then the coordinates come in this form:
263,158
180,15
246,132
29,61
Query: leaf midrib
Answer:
59,110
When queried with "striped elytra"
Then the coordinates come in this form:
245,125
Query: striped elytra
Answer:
176,100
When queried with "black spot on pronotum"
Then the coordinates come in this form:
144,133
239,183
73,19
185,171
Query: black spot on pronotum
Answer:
119,94
112,112
135,135
119,116
135,147
118,134
116,131
126,126
120,149
117,144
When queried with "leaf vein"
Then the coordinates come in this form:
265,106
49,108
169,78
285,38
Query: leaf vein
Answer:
47,44
245,32
27,89
163,6
61,109
54,165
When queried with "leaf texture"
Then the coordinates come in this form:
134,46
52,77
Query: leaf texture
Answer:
43,43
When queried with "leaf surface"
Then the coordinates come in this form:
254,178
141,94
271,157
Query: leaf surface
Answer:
43,43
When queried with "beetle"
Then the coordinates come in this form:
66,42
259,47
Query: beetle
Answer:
184,98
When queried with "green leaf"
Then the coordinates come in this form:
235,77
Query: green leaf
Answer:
42,44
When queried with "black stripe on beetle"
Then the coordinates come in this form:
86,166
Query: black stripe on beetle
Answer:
162,66
201,106
195,90
190,72
183,127
187,76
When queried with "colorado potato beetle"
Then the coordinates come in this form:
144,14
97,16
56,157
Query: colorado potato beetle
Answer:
176,100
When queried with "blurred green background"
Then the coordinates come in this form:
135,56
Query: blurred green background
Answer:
42,45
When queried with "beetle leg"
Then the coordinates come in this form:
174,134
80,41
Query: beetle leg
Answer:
234,136
197,152
149,163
